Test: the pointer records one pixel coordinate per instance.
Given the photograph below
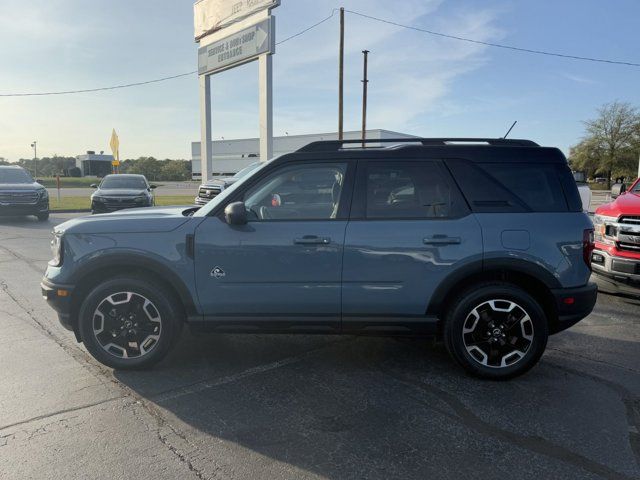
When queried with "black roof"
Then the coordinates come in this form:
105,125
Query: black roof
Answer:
482,150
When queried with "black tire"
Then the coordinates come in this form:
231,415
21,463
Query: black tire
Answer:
161,318
43,217
491,342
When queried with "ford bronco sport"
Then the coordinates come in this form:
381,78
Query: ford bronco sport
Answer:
482,242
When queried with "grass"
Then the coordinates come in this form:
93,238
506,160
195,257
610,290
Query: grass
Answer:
68,182
73,182
83,203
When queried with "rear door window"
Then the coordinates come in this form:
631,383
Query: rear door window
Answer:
411,190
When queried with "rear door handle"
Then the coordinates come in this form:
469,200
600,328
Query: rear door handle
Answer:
312,240
442,240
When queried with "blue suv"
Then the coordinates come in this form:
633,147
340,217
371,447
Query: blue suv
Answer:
481,242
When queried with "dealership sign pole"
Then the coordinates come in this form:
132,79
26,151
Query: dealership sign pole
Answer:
232,33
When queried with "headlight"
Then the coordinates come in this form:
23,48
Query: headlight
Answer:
56,249
97,199
43,194
605,229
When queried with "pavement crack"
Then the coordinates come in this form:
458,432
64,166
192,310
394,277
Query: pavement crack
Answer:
629,400
162,423
533,444
37,267
591,359
59,412
202,385
74,352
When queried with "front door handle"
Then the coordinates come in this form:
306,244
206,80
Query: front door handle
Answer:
312,240
442,240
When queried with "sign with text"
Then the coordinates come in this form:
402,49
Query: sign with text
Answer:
238,48
213,15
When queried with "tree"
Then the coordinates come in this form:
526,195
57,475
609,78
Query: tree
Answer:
611,142
175,170
3,161
147,166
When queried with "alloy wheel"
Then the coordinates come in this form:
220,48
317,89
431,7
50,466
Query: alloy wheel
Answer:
498,333
127,325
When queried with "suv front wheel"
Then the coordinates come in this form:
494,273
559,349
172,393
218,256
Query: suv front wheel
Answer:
129,323
496,330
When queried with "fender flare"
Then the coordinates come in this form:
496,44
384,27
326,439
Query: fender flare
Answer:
479,267
131,260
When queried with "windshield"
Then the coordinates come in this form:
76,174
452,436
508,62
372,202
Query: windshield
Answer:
204,211
246,170
14,175
124,183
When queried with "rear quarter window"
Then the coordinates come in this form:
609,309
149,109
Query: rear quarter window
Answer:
511,187
537,186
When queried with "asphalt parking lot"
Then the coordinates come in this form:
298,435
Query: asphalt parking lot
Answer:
271,407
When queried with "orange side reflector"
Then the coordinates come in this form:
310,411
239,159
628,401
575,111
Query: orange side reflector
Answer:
63,293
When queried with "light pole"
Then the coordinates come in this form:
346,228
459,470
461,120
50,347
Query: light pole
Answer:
365,87
34,145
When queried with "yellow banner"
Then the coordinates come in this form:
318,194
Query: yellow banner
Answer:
115,146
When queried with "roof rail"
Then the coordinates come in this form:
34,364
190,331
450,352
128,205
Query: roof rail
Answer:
335,145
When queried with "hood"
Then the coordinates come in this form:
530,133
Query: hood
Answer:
119,192
21,186
135,220
627,204
220,181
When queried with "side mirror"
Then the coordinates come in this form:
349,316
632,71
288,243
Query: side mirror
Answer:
94,185
153,187
618,189
236,214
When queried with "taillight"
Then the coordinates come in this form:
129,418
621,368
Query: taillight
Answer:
588,244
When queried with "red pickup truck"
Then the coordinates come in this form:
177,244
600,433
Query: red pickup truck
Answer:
616,258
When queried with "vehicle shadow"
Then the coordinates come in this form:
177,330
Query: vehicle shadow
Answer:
347,407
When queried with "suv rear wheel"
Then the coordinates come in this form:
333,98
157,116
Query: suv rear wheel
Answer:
129,323
496,330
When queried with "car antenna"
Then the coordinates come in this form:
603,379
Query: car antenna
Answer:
509,131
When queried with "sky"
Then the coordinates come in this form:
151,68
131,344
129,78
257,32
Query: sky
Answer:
419,84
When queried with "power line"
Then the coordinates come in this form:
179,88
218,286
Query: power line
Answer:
496,45
333,12
157,80
302,32
100,89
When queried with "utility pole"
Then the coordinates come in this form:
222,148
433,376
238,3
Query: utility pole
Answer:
341,80
365,84
35,158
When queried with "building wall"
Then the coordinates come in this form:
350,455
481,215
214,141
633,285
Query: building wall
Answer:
231,156
104,162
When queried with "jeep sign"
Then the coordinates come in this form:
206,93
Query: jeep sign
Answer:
213,15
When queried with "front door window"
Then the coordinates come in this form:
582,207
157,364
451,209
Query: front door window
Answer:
309,192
